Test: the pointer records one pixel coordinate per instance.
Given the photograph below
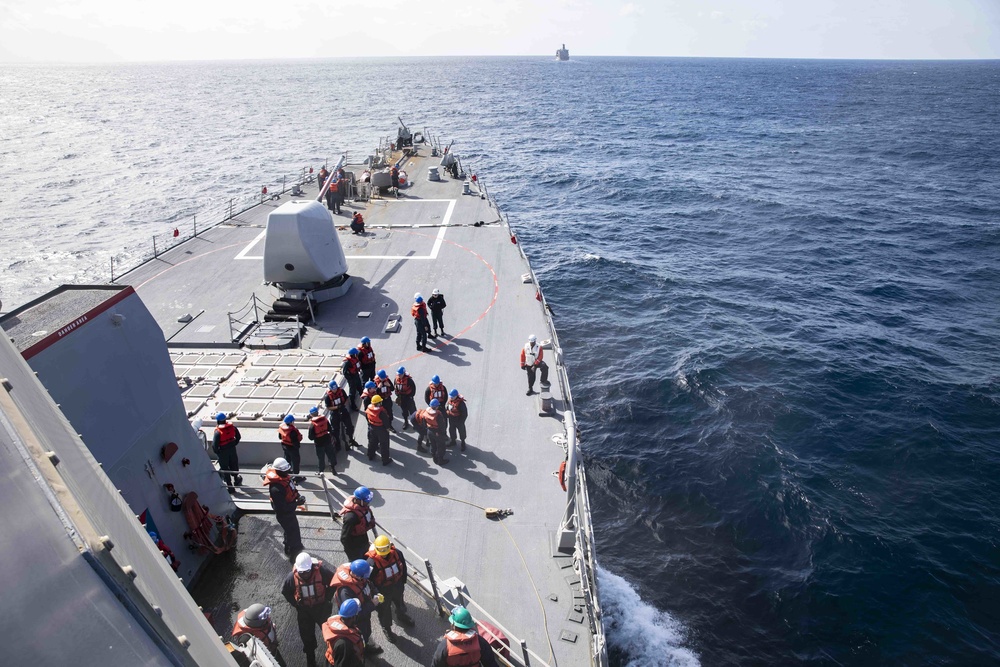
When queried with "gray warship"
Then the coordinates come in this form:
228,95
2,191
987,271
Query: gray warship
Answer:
108,404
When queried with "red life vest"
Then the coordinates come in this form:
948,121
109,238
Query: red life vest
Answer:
384,388
334,630
418,311
336,397
454,404
272,477
358,218
404,386
367,355
463,648
394,171
333,186
321,426
265,634
360,588
388,569
310,590
285,433
438,391
366,520
353,367
375,413
227,434
428,418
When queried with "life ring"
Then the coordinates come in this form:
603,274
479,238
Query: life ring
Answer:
562,475
402,178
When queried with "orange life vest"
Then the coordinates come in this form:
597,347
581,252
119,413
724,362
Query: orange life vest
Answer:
388,569
463,648
418,311
265,634
358,218
367,355
310,590
384,388
285,433
454,404
333,186
321,426
438,391
353,366
334,629
427,417
366,520
360,588
336,397
375,413
404,386
394,171
273,477
227,434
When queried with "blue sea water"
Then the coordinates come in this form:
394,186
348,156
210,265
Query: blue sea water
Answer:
776,283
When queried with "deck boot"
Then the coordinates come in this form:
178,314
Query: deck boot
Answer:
310,660
463,445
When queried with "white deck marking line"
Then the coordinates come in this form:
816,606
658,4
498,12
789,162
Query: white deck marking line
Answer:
434,250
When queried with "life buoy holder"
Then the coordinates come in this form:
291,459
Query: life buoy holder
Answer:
562,475
263,190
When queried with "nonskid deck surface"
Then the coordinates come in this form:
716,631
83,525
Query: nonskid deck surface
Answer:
507,566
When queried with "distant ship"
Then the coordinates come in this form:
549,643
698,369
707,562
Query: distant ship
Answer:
563,53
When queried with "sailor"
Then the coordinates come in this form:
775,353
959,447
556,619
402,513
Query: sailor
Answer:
356,520
284,499
333,196
335,401
437,305
389,575
345,647
370,390
322,176
435,389
256,621
340,194
457,412
462,645
351,581
321,432
406,388
384,387
436,424
290,438
394,175
307,589
367,356
224,442
531,358
358,223
418,311
351,369
378,430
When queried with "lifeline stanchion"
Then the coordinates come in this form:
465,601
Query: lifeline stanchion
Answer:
434,587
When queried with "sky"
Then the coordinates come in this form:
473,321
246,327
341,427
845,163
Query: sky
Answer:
145,30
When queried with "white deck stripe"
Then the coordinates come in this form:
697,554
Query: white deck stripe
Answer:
434,250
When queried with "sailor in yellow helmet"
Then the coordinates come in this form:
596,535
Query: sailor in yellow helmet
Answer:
389,575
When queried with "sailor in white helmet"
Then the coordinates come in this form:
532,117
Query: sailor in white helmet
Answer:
531,358
437,305
284,499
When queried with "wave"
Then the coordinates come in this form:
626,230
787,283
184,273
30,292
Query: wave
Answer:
639,634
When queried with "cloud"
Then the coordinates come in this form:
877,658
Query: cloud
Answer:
631,9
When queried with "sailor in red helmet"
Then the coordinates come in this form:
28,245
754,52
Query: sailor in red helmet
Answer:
290,438
462,646
284,499
256,621
356,520
345,647
224,442
307,589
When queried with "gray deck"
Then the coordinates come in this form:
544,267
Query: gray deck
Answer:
422,241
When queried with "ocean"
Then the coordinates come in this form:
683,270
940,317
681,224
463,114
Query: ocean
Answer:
776,283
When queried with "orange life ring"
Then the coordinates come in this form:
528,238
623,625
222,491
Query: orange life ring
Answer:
562,475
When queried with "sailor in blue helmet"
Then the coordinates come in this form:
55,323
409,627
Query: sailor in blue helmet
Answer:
435,389
336,402
352,581
290,438
224,442
322,434
418,311
462,644
371,389
457,412
356,520
351,368
367,356
406,389
345,647
437,424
